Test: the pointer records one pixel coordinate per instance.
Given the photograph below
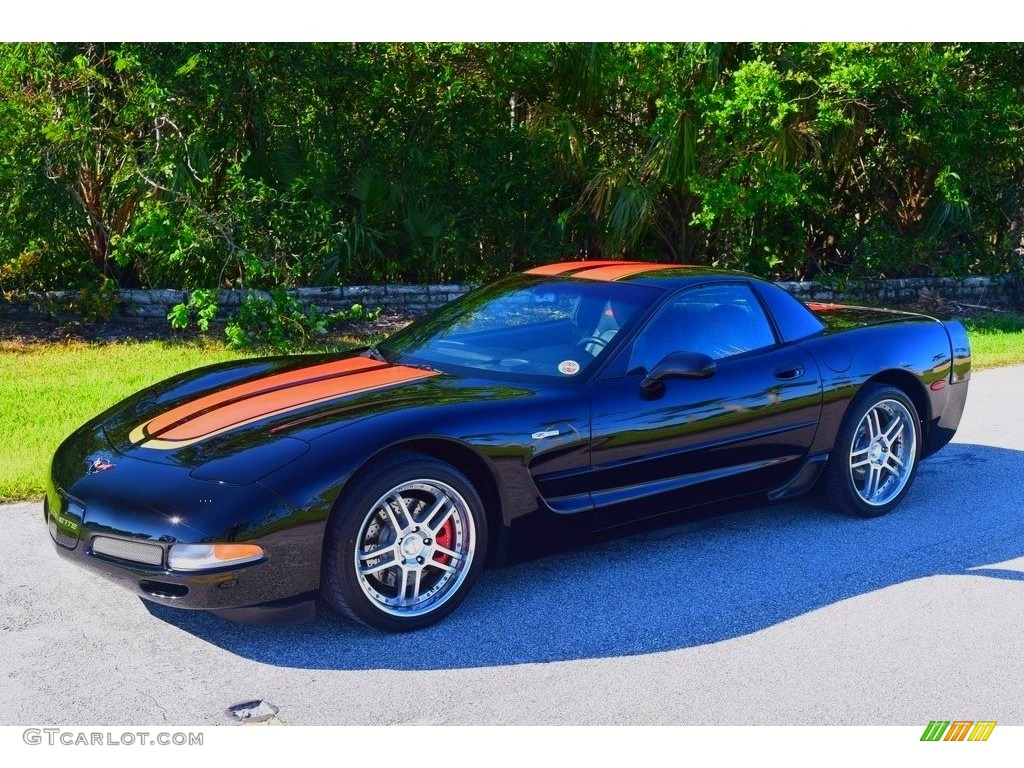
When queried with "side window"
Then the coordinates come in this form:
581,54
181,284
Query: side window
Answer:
718,320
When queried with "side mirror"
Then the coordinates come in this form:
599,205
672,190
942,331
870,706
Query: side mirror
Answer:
678,365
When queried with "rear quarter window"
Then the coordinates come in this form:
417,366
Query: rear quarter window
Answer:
794,320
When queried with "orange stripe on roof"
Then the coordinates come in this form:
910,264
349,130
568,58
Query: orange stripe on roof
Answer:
280,401
277,381
565,267
621,270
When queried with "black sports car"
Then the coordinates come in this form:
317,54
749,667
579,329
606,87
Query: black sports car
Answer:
571,398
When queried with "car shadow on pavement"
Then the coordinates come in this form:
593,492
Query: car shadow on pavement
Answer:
680,586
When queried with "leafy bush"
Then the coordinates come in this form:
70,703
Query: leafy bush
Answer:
195,165
283,324
278,322
202,306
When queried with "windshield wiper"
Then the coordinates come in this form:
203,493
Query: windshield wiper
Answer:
422,367
375,354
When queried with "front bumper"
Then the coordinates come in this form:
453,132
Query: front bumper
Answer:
252,591
154,507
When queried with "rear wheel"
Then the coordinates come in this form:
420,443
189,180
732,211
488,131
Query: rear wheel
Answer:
405,544
876,452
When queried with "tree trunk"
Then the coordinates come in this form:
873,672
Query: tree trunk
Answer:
97,241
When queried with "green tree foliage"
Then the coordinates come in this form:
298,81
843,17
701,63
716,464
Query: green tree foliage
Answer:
259,165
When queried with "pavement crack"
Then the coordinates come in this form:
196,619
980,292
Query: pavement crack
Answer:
157,703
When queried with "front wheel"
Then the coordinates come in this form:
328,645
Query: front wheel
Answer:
405,544
876,452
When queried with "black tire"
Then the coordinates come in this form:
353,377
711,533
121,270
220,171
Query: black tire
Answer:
862,456
409,507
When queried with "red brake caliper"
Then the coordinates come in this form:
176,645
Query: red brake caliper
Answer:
445,537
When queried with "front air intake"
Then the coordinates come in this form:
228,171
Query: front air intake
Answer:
132,551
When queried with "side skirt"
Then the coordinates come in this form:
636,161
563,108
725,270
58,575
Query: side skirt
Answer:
804,479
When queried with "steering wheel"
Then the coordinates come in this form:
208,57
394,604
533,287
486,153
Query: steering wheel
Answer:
602,343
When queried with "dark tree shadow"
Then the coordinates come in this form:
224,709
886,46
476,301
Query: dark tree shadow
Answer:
680,586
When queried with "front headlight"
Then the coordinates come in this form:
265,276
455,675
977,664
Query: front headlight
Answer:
201,557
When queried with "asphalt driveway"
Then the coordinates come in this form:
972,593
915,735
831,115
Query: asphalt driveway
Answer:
775,614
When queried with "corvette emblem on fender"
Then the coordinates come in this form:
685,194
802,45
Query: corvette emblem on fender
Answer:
100,465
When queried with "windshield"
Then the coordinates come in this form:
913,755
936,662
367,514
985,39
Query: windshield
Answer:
525,324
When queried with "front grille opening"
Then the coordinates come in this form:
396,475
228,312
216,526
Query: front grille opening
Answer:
132,551
163,589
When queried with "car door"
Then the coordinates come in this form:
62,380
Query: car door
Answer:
743,429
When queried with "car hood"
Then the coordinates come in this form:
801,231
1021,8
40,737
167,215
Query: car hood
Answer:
271,405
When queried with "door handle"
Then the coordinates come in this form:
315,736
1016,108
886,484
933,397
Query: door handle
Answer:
788,371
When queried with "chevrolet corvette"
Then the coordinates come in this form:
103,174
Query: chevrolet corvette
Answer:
569,399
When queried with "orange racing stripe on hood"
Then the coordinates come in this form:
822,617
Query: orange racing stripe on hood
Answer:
277,381
239,411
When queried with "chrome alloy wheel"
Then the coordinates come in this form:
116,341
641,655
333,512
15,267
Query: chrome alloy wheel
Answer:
883,453
415,547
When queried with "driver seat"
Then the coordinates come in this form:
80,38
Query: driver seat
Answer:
608,324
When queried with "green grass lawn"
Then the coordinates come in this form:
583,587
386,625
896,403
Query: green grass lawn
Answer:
47,390
996,339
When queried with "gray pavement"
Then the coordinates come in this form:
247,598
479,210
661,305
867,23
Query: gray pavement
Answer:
785,614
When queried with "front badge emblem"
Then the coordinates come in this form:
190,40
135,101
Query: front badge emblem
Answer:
100,465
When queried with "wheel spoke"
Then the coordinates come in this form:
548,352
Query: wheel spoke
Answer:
391,517
885,470
418,577
898,461
441,502
379,567
874,423
378,552
871,488
405,510
893,431
860,451
861,463
403,587
442,566
445,551
444,519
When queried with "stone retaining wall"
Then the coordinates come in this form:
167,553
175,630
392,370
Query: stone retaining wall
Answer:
135,305
997,291
412,300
